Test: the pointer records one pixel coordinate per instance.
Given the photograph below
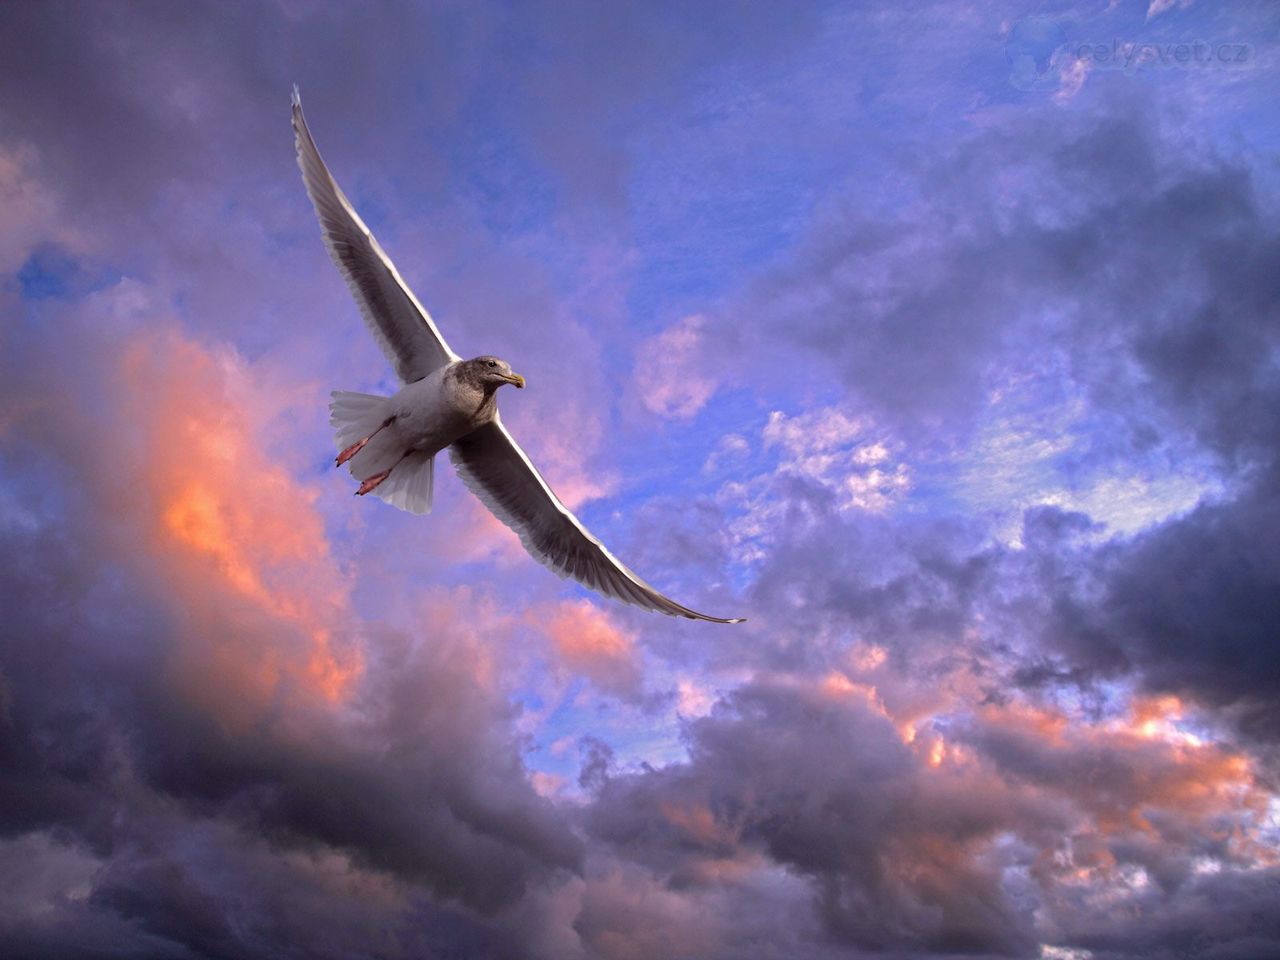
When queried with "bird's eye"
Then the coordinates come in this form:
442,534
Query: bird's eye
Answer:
493,363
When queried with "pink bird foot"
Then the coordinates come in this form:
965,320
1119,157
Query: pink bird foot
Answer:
350,452
356,447
372,482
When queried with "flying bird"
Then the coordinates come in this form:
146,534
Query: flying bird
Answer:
389,443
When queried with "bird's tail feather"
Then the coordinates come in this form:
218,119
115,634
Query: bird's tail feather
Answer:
355,416
411,484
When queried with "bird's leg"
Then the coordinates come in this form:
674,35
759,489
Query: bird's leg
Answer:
371,483
356,447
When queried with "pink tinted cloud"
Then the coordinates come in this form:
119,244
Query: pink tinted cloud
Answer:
29,211
628,914
672,374
586,641
231,532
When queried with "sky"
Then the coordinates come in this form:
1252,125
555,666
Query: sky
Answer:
939,340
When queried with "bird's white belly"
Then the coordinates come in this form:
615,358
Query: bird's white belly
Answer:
427,419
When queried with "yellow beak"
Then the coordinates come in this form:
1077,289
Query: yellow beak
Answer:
517,380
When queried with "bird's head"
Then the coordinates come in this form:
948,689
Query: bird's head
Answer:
492,373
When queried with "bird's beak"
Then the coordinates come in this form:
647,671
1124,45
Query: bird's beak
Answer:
517,380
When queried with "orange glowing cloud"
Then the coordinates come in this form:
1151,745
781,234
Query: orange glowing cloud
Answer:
586,641
838,685
1142,779
237,539
1047,723
720,855
906,718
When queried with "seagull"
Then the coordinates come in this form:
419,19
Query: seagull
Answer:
389,443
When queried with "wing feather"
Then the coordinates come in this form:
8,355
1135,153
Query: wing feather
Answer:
399,323
496,470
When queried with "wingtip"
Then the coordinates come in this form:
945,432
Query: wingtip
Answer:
296,100
694,615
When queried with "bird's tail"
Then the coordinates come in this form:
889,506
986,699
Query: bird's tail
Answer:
355,416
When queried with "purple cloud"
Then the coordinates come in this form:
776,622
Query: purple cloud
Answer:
961,380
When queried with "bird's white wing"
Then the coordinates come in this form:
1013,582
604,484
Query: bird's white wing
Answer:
497,471
399,323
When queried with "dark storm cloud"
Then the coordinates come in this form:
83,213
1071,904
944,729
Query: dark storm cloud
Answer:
99,750
1192,607
830,577
1184,287
124,743
1219,915
125,100
775,770
404,794
1076,233
918,806
980,856
1151,273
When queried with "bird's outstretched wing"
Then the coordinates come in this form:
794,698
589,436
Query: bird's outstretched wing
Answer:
497,471
399,323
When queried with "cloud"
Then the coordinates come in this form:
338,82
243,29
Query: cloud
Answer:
1072,73
1158,7
30,209
998,452
627,915
838,451
673,372
1189,606
881,876
985,844
238,694
223,519
587,642
1007,256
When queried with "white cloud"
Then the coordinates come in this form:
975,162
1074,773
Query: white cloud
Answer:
1158,7
838,450
1016,461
